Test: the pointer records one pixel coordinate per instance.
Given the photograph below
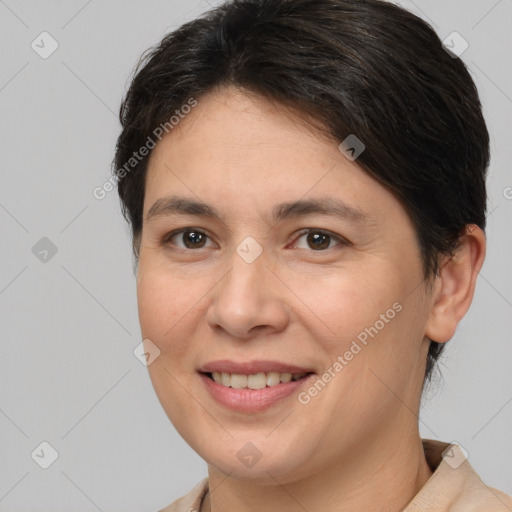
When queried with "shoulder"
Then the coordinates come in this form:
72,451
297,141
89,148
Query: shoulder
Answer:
191,502
454,485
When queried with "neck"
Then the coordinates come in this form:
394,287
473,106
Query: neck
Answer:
381,476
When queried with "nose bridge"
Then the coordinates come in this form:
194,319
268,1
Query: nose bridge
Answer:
241,290
249,250
243,300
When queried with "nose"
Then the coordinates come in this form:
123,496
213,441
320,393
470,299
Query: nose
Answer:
249,301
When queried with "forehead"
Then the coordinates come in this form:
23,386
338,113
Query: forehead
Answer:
240,150
230,123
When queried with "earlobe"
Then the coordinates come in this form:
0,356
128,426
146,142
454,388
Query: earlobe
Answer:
454,286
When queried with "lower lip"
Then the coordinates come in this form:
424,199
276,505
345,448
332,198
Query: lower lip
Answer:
251,400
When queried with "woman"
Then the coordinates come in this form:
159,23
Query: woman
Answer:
305,183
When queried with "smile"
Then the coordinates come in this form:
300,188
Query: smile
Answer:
254,392
254,381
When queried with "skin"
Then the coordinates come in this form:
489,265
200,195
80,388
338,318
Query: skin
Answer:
356,444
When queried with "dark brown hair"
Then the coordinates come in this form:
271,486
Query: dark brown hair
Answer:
362,67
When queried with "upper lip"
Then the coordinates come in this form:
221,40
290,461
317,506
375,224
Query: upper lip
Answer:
251,367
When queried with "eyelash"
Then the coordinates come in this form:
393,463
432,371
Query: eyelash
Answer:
341,241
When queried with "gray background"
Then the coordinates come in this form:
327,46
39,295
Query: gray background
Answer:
68,375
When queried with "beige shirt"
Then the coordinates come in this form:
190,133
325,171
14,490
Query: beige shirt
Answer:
454,486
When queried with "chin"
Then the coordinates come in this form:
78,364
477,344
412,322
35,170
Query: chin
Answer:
259,460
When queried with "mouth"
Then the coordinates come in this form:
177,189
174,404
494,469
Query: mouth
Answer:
253,386
253,393
254,381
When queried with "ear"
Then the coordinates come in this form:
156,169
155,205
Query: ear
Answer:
454,287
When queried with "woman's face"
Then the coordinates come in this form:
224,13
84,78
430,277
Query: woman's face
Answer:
253,280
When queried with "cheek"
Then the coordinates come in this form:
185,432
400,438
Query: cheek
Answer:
373,322
167,307
165,304
347,305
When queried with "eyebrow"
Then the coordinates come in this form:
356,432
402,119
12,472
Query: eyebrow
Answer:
174,205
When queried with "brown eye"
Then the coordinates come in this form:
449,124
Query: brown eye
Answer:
319,240
189,238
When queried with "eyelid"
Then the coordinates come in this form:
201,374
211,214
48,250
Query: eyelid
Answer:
168,236
341,240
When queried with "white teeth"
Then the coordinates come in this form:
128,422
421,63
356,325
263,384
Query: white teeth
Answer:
273,378
258,381
254,381
226,379
286,377
238,381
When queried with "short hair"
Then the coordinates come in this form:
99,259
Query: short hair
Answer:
357,67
